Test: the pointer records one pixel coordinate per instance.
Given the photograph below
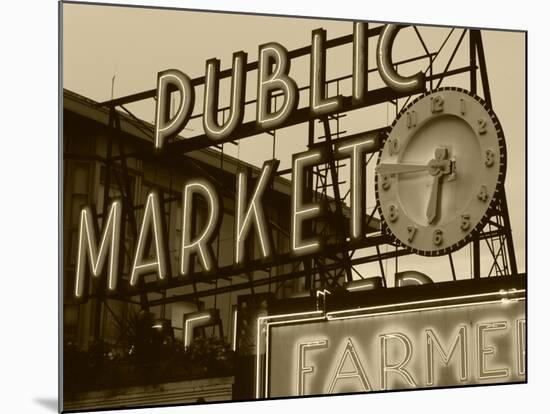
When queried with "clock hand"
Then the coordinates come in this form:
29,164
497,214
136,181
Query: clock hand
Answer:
431,212
398,168
438,167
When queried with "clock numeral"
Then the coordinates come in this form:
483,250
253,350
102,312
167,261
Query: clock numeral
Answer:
393,214
483,195
489,158
465,222
438,237
393,146
482,126
437,103
386,182
412,231
462,106
411,119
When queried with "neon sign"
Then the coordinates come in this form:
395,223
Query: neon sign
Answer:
250,218
479,342
151,223
273,77
97,255
277,99
202,244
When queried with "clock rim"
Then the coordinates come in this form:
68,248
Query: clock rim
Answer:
498,189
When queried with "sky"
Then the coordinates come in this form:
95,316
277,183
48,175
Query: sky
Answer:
134,44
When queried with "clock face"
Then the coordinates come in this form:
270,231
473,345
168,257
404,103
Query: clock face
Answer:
439,170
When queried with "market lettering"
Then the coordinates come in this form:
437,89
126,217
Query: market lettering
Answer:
151,255
398,356
253,216
273,78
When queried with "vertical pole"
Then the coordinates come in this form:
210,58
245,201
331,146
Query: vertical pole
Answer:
381,266
367,59
340,220
477,267
309,281
106,186
473,88
249,244
508,229
127,198
483,69
473,61
452,266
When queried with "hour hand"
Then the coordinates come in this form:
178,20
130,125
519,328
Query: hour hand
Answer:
431,212
399,168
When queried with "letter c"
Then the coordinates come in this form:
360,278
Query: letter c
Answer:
394,80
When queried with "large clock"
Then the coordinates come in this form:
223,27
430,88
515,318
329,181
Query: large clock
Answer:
439,171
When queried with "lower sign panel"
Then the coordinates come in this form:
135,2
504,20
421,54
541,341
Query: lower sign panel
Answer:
480,343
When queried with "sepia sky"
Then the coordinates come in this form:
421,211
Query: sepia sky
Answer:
134,44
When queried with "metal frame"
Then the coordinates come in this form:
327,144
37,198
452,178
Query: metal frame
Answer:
336,265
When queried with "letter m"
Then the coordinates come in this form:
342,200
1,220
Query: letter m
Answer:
89,252
459,342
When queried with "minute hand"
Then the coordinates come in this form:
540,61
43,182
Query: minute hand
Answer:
399,168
